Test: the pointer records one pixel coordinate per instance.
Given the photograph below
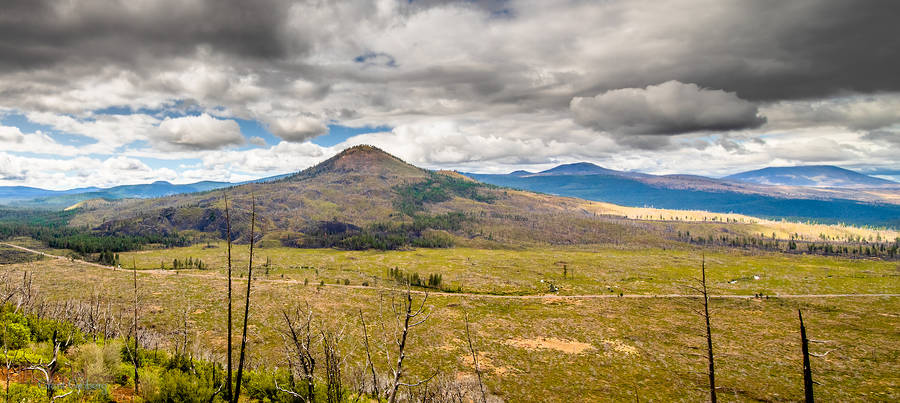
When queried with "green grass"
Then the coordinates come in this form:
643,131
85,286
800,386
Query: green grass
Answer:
652,347
756,341
590,270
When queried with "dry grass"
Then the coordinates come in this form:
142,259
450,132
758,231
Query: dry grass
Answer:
649,347
782,229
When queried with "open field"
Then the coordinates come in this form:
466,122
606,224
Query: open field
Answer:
782,229
553,348
589,269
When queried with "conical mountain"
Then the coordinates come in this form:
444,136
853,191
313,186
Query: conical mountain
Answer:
363,160
360,189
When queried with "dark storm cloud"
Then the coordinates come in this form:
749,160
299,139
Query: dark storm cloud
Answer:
42,33
776,50
665,109
887,136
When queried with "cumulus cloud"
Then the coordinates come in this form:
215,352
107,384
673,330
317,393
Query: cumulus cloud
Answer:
459,81
11,135
202,132
298,128
668,108
870,112
56,173
11,169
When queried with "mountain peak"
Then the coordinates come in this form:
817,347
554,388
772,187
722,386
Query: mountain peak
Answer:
363,159
810,175
520,172
587,168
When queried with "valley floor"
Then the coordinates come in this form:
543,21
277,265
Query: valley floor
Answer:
539,346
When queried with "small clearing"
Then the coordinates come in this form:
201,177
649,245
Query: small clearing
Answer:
565,346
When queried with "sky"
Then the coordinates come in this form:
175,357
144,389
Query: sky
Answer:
104,93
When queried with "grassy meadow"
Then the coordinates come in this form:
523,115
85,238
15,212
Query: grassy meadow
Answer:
543,347
601,269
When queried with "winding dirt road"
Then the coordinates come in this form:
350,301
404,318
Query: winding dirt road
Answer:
468,295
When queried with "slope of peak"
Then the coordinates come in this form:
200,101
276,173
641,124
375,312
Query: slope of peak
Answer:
455,175
365,160
809,175
585,168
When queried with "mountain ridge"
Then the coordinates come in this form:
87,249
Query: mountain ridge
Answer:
810,176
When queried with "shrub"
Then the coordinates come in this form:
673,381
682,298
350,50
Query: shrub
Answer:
15,335
96,363
177,386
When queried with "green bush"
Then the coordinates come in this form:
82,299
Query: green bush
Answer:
19,392
177,386
66,333
15,335
96,363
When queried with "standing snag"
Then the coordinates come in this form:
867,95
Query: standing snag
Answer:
807,370
228,342
709,345
405,315
237,388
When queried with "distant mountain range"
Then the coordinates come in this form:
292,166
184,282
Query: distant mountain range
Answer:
812,175
820,193
34,197
861,200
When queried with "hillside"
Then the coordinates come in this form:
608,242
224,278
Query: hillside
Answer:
367,192
812,175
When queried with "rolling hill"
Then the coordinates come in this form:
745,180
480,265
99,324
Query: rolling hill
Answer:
812,175
367,192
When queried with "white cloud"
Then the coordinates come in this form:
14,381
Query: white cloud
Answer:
297,128
11,135
461,87
202,132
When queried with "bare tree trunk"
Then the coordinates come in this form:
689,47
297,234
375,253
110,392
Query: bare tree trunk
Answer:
302,346
237,388
333,387
709,345
807,370
369,355
408,314
475,360
135,358
228,343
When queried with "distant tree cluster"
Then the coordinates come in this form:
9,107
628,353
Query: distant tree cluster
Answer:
190,263
434,280
438,188
108,258
52,228
864,248
423,232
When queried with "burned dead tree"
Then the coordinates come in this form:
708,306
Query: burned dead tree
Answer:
475,360
407,318
49,371
709,343
334,390
134,353
237,388
228,348
369,363
807,370
299,343
702,289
